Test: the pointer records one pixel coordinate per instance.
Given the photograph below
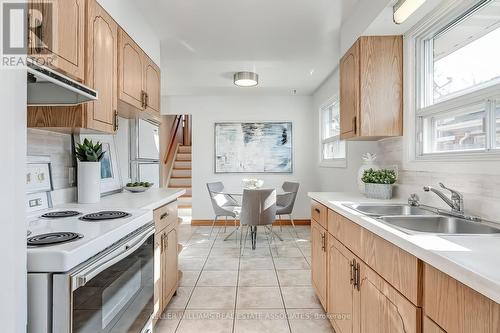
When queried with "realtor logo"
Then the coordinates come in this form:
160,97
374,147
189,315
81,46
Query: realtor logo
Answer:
26,29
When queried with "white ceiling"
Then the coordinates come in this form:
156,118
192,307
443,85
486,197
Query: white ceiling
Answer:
291,44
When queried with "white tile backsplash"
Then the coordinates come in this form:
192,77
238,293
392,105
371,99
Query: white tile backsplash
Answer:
59,147
481,192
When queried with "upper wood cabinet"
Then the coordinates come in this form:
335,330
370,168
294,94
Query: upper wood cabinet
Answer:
101,63
130,71
139,77
319,261
371,89
102,68
59,36
152,86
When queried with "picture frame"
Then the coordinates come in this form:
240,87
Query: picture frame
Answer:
253,147
111,181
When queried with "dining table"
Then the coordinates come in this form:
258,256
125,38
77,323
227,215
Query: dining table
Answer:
237,196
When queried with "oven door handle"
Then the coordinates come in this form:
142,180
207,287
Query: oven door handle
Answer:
115,256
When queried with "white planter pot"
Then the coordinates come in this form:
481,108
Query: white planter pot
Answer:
378,191
89,182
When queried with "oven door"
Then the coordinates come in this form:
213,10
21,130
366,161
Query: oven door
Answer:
113,292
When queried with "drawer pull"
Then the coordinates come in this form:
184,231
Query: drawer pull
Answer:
317,210
164,216
353,270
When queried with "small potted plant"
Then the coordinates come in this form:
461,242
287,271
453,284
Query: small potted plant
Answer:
89,157
379,183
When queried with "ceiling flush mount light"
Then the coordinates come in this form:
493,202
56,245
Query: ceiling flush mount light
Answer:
404,8
246,79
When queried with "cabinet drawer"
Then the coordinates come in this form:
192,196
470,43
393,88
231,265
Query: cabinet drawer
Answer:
401,269
319,213
165,216
456,307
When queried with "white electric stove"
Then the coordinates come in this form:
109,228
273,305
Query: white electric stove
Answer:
89,270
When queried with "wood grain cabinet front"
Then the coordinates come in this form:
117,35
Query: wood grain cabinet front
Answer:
457,308
101,61
319,261
57,34
139,77
371,89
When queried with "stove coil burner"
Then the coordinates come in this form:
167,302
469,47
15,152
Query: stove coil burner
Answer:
104,215
53,238
61,214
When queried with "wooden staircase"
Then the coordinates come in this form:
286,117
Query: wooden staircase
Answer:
180,177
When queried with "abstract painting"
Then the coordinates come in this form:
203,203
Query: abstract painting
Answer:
264,147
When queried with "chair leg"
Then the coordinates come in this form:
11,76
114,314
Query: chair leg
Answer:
254,237
281,223
213,225
293,225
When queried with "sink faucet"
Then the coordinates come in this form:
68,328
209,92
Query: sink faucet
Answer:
456,202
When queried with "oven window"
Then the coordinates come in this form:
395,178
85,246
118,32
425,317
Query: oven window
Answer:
119,299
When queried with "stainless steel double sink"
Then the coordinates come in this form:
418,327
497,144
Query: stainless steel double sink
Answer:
411,219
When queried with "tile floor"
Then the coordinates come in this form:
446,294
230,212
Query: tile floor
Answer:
263,290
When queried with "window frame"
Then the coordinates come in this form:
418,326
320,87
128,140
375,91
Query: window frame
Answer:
418,52
332,162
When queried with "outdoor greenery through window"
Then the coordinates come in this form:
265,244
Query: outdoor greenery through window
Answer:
332,148
458,109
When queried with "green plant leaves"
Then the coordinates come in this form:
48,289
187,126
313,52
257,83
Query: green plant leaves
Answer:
384,176
88,151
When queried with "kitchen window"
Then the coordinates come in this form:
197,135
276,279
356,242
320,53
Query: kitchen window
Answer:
333,150
458,82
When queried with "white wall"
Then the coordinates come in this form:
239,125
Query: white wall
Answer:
336,179
12,168
127,15
207,110
360,18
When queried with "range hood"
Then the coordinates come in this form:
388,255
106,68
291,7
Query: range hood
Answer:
48,87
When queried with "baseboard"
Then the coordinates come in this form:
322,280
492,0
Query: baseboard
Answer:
200,223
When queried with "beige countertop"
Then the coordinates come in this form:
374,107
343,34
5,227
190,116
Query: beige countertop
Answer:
470,259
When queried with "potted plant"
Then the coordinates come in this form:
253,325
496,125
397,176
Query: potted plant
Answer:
379,183
89,157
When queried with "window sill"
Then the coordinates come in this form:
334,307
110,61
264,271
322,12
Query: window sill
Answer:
337,163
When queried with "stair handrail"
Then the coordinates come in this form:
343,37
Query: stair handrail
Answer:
173,138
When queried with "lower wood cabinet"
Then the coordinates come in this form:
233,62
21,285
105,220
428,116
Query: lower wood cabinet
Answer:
359,300
342,296
319,260
431,327
457,308
165,258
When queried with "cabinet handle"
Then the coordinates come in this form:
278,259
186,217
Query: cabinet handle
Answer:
146,100
355,124
162,242
323,242
164,216
357,276
116,121
142,98
317,210
353,269
166,241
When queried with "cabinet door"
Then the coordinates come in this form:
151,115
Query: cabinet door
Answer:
131,72
152,86
169,261
102,62
431,327
382,309
57,33
341,292
158,299
318,257
349,93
